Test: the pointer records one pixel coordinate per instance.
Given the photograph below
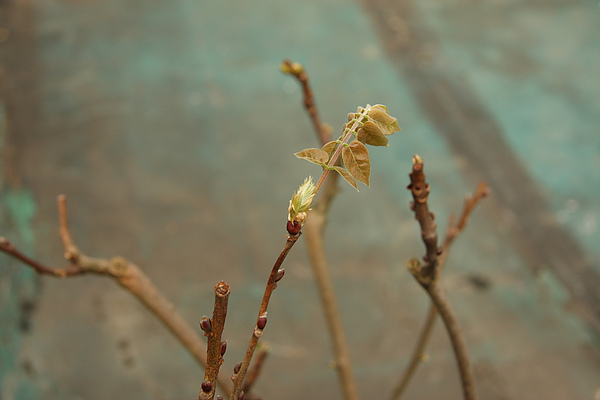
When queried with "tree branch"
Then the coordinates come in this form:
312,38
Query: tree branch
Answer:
127,275
313,229
255,368
298,72
241,370
213,330
428,275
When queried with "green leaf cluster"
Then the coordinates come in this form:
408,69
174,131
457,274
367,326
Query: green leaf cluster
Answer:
369,125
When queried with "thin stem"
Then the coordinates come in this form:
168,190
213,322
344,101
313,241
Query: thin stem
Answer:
71,251
336,154
309,103
215,348
314,242
255,368
418,354
456,337
129,276
238,377
314,227
8,248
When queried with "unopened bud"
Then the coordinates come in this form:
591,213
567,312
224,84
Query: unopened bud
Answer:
241,396
279,274
206,386
219,397
293,227
205,324
223,347
237,367
262,321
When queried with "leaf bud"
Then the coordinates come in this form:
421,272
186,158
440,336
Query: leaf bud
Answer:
207,386
205,324
223,347
301,201
279,274
237,367
241,396
262,321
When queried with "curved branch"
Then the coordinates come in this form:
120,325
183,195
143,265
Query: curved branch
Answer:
129,276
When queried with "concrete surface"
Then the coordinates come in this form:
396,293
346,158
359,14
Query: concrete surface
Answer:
171,131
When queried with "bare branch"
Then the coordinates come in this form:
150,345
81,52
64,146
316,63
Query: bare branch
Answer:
420,191
127,275
298,72
428,275
216,348
452,233
256,367
261,321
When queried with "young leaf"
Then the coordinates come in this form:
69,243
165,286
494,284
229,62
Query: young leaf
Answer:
379,116
315,156
356,160
329,148
347,177
371,134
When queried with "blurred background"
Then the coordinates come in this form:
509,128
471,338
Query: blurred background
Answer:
171,131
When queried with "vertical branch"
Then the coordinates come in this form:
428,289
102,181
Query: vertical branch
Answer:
313,229
314,242
428,275
213,329
456,337
418,353
296,70
241,370
420,192
454,229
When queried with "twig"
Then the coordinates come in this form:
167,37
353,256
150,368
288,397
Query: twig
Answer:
418,353
241,370
452,233
255,368
213,329
314,227
127,275
297,71
428,275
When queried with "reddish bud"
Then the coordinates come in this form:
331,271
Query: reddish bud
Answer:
237,367
279,275
293,227
223,347
206,386
205,324
262,321
241,396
